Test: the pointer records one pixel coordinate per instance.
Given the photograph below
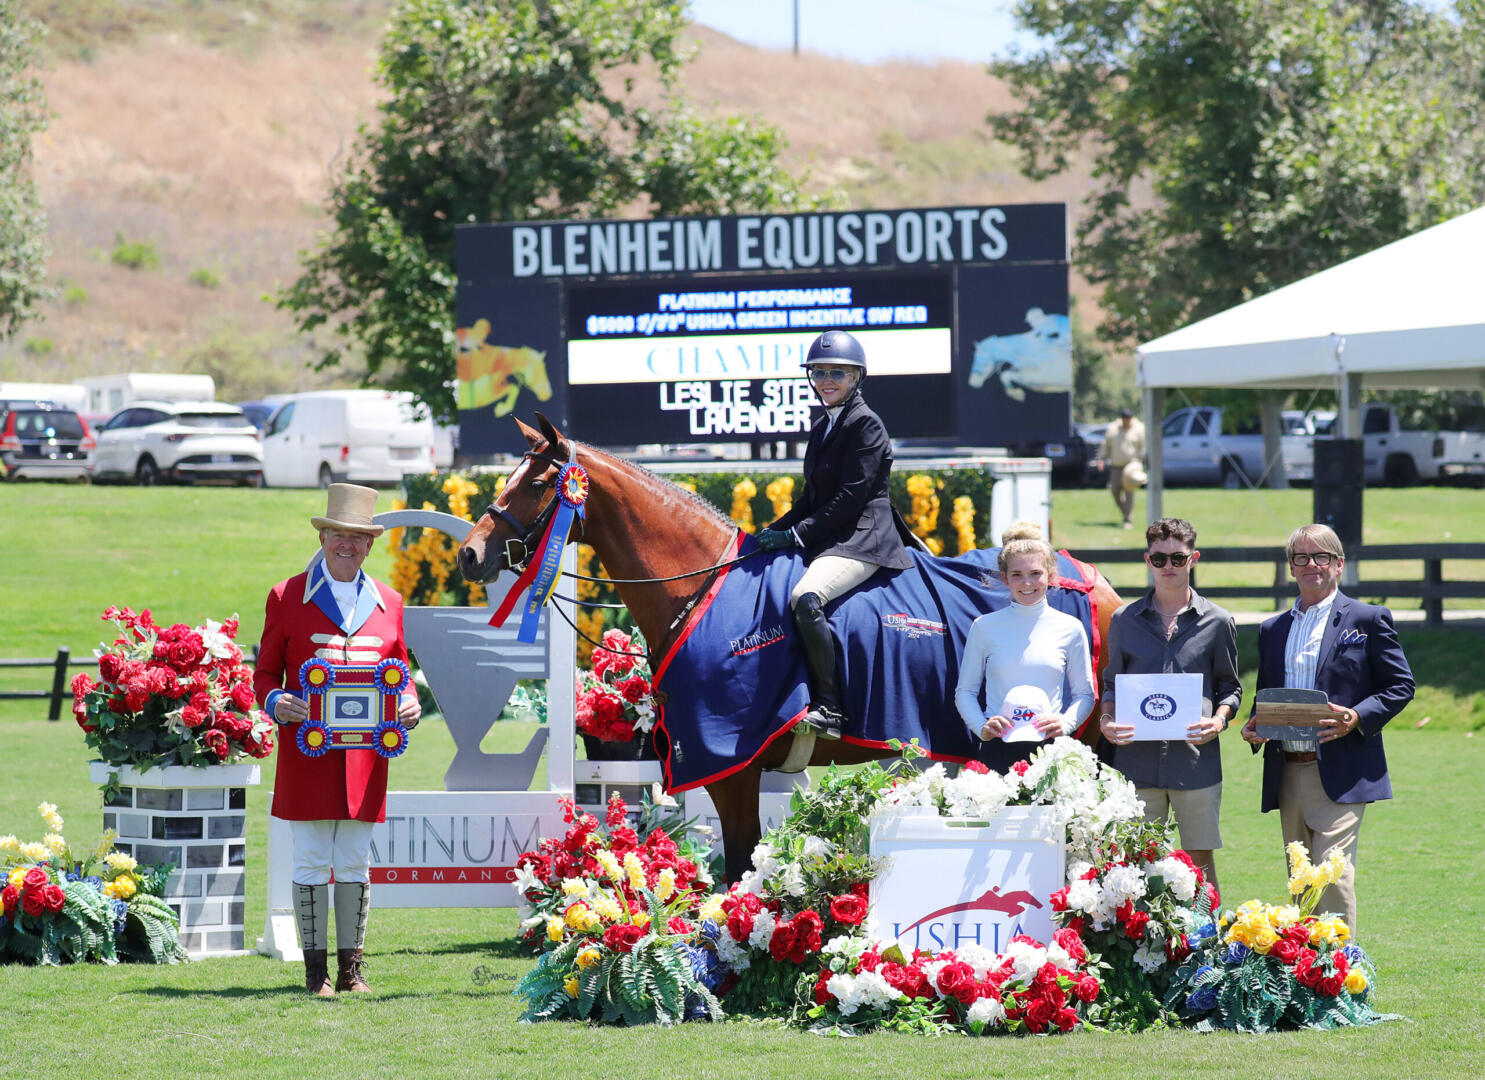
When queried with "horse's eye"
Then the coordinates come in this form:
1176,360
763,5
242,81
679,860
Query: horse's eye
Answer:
536,485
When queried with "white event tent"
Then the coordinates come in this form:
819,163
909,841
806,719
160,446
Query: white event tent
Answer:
1407,315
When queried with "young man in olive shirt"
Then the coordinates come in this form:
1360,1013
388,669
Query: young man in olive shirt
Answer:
1173,630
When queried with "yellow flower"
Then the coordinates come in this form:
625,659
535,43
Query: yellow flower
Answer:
780,492
578,916
121,887
665,884
555,929
608,908
1355,981
105,843
48,812
743,493
635,870
9,843
640,918
1264,939
1280,917
963,518
712,910
588,957
55,844
610,864
570,984
17,875
574,887
119,861
1299,858
35,852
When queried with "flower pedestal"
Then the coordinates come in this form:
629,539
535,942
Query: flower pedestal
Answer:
195,818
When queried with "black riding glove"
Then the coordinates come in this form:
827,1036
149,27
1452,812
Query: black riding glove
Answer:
775,539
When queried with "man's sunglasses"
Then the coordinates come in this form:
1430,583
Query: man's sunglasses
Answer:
834,374
1158,558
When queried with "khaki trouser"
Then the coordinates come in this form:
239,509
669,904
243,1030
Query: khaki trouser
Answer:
1308,815
1123,497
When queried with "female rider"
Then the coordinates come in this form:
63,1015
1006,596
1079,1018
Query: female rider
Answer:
843,519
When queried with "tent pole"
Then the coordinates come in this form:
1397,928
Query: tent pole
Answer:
1153,407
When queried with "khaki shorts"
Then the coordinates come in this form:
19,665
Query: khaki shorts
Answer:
1196,810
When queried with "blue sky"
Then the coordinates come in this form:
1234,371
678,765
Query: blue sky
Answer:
871,30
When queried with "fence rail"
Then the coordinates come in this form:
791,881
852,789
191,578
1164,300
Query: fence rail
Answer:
59,666
1433,589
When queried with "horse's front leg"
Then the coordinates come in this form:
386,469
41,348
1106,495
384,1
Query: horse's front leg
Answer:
736,800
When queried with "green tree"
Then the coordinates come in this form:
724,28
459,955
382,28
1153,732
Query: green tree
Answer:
1240,145
23,247
508,110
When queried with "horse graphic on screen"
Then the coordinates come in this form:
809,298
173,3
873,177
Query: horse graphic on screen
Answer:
494,374
1039,359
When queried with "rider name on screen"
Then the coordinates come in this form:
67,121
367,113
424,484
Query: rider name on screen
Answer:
727,407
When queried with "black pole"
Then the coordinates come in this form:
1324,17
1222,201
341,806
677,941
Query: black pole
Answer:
59,683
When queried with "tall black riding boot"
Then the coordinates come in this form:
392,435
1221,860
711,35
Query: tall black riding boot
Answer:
825,715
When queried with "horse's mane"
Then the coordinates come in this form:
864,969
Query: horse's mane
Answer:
703,507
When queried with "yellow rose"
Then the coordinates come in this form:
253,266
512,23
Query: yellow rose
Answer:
570,984
712,910
1355,981
578,916
1264,939
555,929
588,957
17,876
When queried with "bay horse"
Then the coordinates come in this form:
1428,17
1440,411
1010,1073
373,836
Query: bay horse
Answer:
646,530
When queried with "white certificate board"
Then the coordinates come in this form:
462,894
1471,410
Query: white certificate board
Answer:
1161,707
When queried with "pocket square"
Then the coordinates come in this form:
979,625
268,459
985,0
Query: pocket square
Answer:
1352,637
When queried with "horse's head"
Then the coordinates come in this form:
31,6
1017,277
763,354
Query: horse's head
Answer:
534,374
508,531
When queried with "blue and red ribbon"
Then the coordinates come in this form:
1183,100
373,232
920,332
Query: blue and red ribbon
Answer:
543,569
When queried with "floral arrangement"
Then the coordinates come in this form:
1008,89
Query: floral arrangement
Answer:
176,695
613,698
59,907
1274,967
614,916
922,513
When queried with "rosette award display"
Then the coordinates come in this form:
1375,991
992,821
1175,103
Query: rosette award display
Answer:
353,707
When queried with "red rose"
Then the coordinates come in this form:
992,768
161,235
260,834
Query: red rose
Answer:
10,896
623,937
36,878
109,666
1305,970
895,976
1059,899
82,685
954,977
740,924
678,925
216,742
870,960
1087,988
33,901
782,942
135,700
1079,924
822,995
849,909
242,696
1020,767
1039,1014
807,926
1071,944
1332,985
192,717
623,840
1299,934
975,767
635,689
1066,1019
1284,951
1134,927
584,713
749,902
262,747
1177,948
55,899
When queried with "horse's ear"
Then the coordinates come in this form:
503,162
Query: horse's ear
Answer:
532,436
555,442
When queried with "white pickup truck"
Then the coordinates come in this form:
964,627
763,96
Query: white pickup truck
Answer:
1199,449
1392,455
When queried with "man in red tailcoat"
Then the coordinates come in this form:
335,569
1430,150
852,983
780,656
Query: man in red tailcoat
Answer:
336,612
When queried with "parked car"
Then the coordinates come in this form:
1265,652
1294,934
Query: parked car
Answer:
1068,457
361,436
1395,456
1200,447
43,442
156,442
260,412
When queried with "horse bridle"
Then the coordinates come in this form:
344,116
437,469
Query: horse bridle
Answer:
527,537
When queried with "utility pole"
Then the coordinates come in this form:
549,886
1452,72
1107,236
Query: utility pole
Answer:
796,29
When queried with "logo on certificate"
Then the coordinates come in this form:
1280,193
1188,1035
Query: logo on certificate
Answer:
1158,707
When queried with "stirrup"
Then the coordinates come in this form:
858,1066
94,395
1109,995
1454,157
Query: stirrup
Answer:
824,721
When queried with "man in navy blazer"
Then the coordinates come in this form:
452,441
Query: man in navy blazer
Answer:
1349,651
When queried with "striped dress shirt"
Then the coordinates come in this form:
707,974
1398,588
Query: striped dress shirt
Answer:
1302,653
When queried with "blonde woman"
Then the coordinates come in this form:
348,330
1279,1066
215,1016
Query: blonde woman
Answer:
1023,648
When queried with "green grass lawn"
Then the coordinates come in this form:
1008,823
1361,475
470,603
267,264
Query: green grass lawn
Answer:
443,977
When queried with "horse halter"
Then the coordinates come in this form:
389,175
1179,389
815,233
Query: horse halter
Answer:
528,536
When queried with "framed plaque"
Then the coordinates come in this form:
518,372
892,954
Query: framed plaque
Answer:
353,707
1291,715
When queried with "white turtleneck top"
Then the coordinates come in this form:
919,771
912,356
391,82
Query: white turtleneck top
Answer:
1025,645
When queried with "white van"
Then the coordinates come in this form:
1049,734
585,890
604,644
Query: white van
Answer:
360,436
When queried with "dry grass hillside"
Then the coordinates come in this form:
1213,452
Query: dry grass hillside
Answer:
202,152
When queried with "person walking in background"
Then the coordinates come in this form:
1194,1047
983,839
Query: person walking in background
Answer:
1349,650
1121,458
1174,630
334,611
1027,657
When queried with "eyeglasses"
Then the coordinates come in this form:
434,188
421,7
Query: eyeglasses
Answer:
1158,558
1320,558
834,374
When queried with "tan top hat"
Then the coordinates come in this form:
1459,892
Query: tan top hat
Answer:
349,507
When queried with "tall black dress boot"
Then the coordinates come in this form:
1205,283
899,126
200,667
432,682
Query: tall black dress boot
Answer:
825,715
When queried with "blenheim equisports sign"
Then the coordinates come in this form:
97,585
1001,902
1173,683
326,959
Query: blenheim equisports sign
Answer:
693,329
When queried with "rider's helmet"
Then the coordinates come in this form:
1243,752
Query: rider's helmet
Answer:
836,347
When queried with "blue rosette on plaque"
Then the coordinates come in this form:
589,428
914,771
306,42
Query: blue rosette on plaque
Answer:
392,676
390,738
316,675
313,738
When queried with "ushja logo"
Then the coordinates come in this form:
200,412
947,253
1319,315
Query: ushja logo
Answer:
1009,904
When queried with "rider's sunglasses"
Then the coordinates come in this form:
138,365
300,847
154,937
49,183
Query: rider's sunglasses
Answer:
1158,558
1320,558
834,374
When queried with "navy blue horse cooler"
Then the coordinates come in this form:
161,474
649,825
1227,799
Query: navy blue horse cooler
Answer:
735,678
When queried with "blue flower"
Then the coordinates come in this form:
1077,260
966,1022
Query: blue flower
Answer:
1353,953
120,913
710,930
1204,932
1203,1000
95,881
1235,953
